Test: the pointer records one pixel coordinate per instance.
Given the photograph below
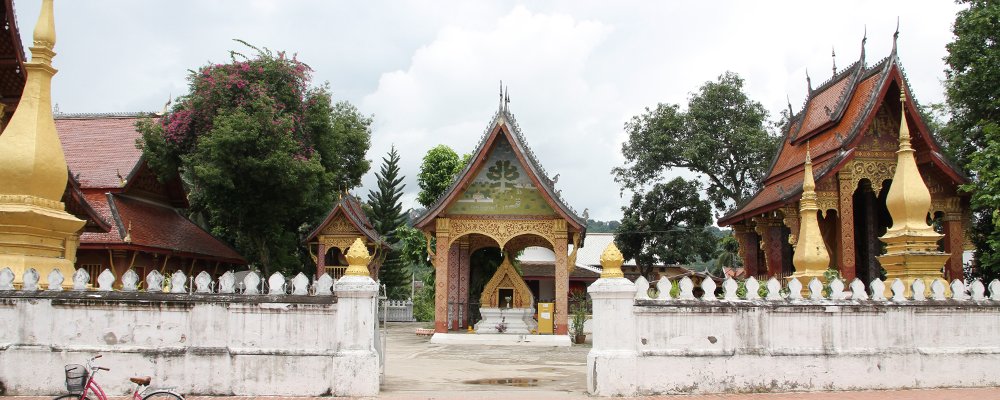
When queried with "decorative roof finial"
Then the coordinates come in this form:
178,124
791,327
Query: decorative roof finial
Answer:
790,112
895,36
809,81
506,101
501,94
833,54
864,39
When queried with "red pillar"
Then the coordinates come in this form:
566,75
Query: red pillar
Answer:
845,213
749,247
954,241
441,276
320,260
769,229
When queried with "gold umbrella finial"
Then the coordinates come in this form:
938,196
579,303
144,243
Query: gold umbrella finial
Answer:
357,259
611,262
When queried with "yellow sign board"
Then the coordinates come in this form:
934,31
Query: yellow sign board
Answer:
545,311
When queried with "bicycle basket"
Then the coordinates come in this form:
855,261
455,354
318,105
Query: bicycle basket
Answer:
76,377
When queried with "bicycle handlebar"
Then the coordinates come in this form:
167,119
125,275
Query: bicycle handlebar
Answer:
102,368
97,356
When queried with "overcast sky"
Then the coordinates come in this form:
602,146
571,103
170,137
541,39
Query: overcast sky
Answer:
429,71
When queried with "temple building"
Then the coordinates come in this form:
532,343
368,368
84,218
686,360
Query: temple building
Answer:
503,199
329,241
851,126
134,221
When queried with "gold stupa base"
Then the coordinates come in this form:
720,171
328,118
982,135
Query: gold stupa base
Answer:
34,234
908,267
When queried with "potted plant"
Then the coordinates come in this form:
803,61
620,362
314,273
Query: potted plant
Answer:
579,317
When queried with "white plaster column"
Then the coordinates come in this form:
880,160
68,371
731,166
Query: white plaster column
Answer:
355,326
611,363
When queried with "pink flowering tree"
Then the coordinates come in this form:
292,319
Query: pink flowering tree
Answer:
263,151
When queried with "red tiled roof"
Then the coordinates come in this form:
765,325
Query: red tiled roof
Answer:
822,106
829,121
161,227
792,156
99,148
99,202
831,141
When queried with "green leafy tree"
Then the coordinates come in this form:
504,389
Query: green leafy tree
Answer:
437,171
594,226
262,150
722,136
386,213
667,225
413,255
972,87
728,255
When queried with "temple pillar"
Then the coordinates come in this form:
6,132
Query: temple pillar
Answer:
845,212
320,260
455,311
464,269
562,278
441,276
749,250
954,243
769,230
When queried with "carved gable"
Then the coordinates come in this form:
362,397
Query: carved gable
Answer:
501,187
340,226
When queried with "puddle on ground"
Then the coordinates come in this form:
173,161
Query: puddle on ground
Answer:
518,382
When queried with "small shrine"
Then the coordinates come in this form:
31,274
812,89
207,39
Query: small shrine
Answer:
343,225
507,305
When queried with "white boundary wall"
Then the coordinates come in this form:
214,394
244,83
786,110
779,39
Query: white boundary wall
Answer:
648,346
198,344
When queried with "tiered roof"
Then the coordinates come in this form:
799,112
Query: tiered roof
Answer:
831,124
350,208
504,125
115,191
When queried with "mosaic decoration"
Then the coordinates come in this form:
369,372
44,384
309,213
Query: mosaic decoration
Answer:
501,187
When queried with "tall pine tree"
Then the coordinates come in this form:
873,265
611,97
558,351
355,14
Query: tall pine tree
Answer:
386,214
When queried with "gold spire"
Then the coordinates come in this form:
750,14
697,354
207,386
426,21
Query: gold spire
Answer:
911,244
33,162
357,259
811,257
908,199
611,262
35,230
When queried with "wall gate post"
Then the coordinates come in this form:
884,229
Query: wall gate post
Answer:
355,319
611,363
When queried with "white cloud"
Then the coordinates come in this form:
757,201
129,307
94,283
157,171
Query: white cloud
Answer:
450,89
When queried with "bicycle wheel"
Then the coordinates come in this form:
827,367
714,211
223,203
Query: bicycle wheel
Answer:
162,395
71,397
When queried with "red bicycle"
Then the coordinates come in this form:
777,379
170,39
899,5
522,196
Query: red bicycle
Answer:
80,381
